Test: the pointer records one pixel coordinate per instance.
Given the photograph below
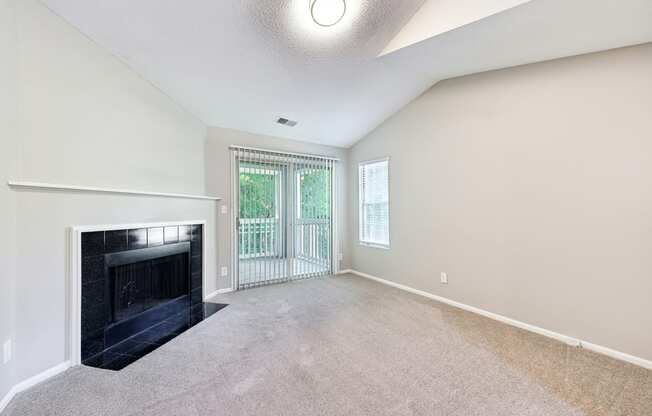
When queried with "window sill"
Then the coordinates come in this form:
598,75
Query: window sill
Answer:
374,245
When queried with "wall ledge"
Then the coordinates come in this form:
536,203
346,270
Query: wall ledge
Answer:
17,185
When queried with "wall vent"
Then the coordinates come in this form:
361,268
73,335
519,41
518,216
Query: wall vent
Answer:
286,122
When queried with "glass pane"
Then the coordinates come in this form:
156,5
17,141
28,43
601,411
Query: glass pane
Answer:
259,210
256,181
314,212
315,194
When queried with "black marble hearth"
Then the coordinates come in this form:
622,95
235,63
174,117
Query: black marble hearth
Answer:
140,288
131,349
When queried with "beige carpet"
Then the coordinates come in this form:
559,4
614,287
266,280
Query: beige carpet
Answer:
348,346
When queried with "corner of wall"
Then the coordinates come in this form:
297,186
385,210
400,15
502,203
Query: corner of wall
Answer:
8,165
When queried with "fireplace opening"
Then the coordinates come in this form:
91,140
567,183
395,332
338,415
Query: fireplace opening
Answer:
144,287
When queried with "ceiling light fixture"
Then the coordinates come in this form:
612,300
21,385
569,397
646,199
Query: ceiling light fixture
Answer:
327,13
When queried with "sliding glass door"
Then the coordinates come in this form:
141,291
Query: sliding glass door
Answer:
284,223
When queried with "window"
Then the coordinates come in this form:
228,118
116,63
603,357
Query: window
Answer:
373,180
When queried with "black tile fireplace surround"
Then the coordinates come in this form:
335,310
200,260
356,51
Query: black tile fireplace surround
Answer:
140,288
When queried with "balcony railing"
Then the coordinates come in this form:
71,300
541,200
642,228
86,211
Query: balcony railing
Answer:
259,237
262,237
313,240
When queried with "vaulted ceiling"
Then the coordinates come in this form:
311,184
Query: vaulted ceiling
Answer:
243,64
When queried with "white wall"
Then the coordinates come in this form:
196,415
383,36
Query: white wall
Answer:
85,118
8,133
532,188
218,180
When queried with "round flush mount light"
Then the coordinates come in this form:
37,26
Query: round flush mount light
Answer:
327,13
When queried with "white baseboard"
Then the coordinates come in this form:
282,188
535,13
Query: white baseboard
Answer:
218,292
5,400
345,271
513,322
32,381
632,359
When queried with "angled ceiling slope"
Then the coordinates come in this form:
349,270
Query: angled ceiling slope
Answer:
243,64
439,16
535,31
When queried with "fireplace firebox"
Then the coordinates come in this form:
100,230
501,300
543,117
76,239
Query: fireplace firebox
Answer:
142,279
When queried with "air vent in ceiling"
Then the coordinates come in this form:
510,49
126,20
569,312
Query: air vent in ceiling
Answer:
286,122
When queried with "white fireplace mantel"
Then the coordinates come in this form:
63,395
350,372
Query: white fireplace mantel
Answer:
93,189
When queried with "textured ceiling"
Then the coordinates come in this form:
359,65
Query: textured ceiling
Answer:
243,63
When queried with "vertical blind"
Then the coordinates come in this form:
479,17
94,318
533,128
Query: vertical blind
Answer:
374,202
284,216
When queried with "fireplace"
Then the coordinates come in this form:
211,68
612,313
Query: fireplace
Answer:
139,289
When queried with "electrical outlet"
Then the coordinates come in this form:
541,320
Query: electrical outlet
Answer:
444,278
224,209
224,271
6,352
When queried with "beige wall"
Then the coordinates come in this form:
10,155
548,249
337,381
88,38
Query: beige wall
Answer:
218,179
85,118
532,188
8,132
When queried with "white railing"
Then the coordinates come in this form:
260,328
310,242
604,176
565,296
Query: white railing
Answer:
313,240
261,237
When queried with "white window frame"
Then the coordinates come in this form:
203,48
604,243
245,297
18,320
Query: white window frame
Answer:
360,204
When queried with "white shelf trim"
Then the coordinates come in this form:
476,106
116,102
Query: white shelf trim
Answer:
78,188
